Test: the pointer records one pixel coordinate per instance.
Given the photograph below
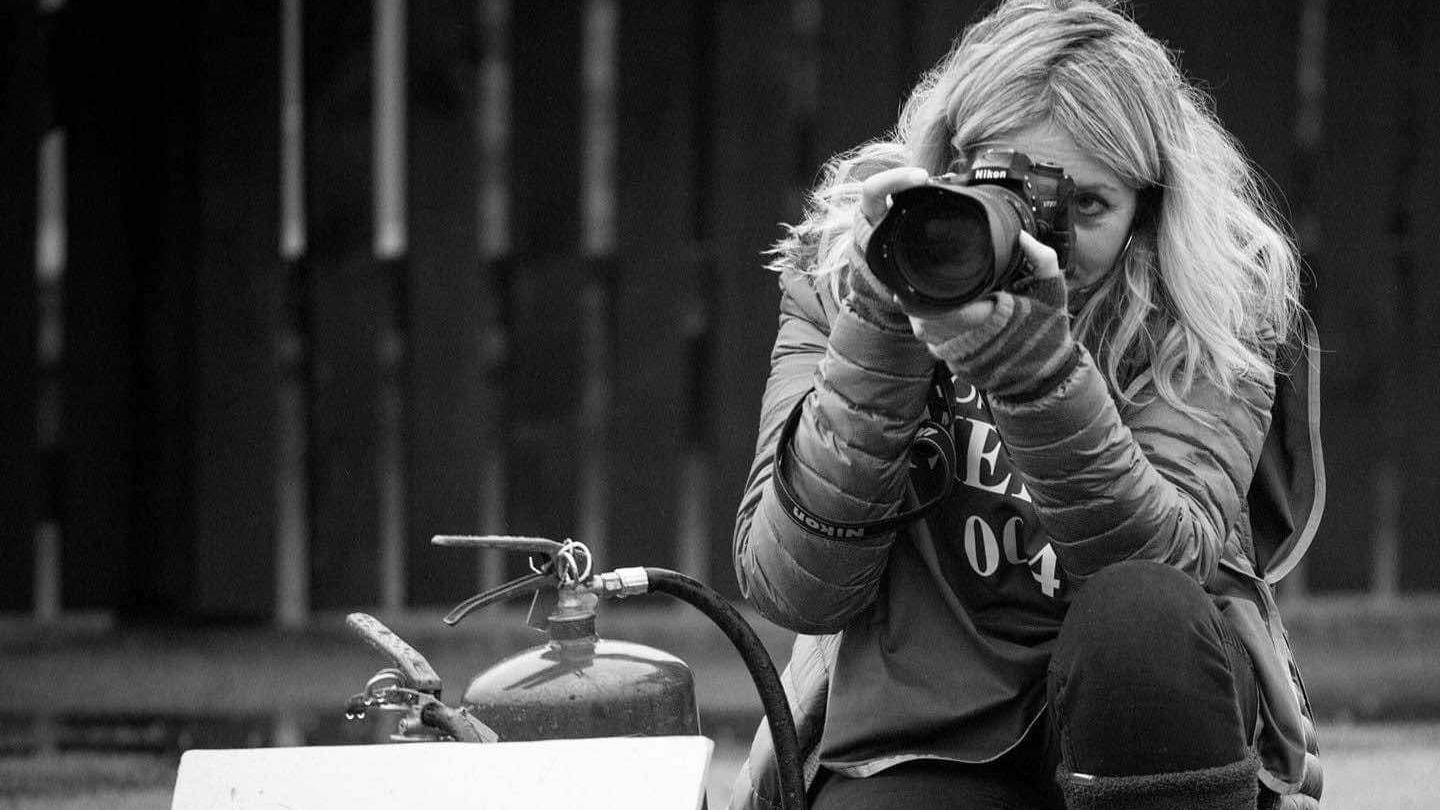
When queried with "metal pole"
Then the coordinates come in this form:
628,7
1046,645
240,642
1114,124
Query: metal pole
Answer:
597,235
494,230
697,456
391,244
1308,133
51,257
292,479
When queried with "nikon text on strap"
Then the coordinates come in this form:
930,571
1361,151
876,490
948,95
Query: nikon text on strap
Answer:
932,440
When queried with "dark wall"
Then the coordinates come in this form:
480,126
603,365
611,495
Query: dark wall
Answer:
1378,201
541,381
23,95
240,291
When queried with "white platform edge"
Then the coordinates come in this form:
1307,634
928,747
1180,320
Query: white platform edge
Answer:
624,773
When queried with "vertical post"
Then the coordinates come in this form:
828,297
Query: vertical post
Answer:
597,210
597,244
494,229
1385,537
106,359
286,730
449,409
1309,129
548,273
350,303
697,458
390,245
388,123
48,604
292,480
806,19
292,131
50,261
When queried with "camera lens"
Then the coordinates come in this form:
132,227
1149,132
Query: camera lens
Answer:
946,245
943,250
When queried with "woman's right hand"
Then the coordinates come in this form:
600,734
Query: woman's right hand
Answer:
876,190
1045,284
932,326
869,297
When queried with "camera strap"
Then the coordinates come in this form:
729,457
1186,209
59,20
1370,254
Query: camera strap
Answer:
932,449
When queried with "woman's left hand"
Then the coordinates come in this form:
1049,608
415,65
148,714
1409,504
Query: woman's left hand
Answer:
936,326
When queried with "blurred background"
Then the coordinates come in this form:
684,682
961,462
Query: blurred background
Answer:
293,285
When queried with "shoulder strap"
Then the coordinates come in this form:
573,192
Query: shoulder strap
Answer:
1287,495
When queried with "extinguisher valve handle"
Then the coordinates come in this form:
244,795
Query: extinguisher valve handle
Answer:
501,542
418,672
621,582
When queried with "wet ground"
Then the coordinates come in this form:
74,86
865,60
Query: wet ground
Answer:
1390,766
96,715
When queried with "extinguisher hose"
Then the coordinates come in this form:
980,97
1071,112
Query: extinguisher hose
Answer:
762,672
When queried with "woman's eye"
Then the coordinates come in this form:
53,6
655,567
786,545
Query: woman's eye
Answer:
1089,205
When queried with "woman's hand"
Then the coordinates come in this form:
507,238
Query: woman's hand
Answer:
871,299
936,326
875,195
933,326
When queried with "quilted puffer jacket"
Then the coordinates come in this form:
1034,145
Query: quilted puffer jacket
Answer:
1110,479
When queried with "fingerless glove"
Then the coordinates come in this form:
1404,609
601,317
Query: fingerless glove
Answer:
868,297
1024,350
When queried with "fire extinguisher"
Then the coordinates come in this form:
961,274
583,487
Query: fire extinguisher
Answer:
576,684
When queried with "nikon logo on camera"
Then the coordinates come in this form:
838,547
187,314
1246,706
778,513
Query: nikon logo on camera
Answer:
991,174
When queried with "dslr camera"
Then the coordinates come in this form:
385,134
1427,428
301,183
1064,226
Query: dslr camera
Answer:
956,238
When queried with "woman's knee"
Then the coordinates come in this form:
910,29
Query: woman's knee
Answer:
1144,627
1135,603
1145,674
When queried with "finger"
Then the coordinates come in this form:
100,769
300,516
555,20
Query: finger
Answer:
878,187
936,328
1042,257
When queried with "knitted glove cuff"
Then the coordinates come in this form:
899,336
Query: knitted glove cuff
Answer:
1048,291
1022,352
868,297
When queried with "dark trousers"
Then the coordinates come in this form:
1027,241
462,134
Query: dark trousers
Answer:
1146,678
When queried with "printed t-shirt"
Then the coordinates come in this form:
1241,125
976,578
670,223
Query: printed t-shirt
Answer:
950,660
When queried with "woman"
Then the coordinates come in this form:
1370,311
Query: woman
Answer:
1079,622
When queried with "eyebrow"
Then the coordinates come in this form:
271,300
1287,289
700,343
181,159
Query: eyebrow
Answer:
1100,186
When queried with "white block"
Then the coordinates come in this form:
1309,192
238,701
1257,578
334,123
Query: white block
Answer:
625,773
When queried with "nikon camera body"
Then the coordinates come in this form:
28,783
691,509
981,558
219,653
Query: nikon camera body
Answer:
956,238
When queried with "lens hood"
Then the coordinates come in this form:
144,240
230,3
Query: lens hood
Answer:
943,244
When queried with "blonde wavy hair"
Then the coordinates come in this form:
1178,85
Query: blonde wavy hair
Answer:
1210,279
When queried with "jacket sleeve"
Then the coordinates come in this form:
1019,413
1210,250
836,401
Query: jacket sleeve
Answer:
1153,482
862,390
